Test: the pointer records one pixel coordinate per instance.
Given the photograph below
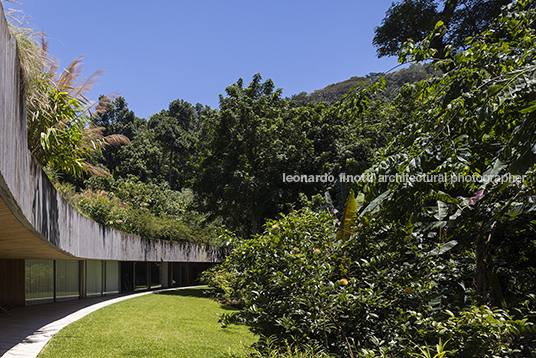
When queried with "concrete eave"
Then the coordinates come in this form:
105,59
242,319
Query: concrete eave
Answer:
18,242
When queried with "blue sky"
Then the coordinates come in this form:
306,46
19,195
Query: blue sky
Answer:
156,52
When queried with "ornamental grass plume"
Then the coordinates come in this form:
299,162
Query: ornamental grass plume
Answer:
60,130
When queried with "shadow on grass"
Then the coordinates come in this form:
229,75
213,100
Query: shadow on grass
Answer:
188,292
196,292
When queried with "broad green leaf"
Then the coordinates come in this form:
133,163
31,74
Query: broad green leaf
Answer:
350,212
442,210
442,248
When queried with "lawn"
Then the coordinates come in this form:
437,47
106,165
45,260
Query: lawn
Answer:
179,323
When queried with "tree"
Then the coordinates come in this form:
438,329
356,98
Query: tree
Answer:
415,19
477,122
246,147
257,136
117,119
176,131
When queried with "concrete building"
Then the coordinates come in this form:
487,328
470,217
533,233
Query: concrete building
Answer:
50,252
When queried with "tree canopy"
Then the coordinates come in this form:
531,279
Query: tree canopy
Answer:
247,145
415,19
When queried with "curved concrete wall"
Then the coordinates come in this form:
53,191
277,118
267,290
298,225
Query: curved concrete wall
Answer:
35,221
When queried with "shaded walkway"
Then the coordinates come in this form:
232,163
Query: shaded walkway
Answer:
31,327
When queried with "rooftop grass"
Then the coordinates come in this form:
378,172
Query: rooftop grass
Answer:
179,323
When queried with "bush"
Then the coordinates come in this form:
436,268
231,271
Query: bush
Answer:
156,198
157,212
294,279
271,349
105,209
362,298
479,332
222,285
146,224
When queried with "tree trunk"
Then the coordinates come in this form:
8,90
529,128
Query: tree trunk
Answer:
446,16
486,276
483,258
255,223
448,11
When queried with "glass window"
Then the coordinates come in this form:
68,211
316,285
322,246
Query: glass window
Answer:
112,277
67,280
39,281
94,278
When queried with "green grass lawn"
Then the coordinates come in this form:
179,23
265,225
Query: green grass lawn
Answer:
179,323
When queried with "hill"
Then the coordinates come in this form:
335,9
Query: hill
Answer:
334,92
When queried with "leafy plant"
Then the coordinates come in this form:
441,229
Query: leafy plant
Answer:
422,259
60,134
271,349
222,285
56,131
105,209
425,351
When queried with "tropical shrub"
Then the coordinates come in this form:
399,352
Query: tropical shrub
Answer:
158,199
301,285
116,211
222,285
271,349
146,224
479,332
105,209
448,213
56,109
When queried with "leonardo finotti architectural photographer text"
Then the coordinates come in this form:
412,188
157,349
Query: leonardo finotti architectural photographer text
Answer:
402,178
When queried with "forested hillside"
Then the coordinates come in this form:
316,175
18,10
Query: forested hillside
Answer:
393,83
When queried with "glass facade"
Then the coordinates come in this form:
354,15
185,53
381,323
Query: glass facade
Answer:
127,276
67,280
156,274
94,278
39,281
61,280
140,276
111,272
180,274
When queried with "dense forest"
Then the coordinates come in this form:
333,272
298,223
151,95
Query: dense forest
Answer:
190,170
386,215
232,160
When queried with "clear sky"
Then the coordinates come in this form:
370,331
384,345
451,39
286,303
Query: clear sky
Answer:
159,51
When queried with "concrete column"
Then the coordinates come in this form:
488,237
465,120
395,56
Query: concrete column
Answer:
119,276
165,275
83,280
133,276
